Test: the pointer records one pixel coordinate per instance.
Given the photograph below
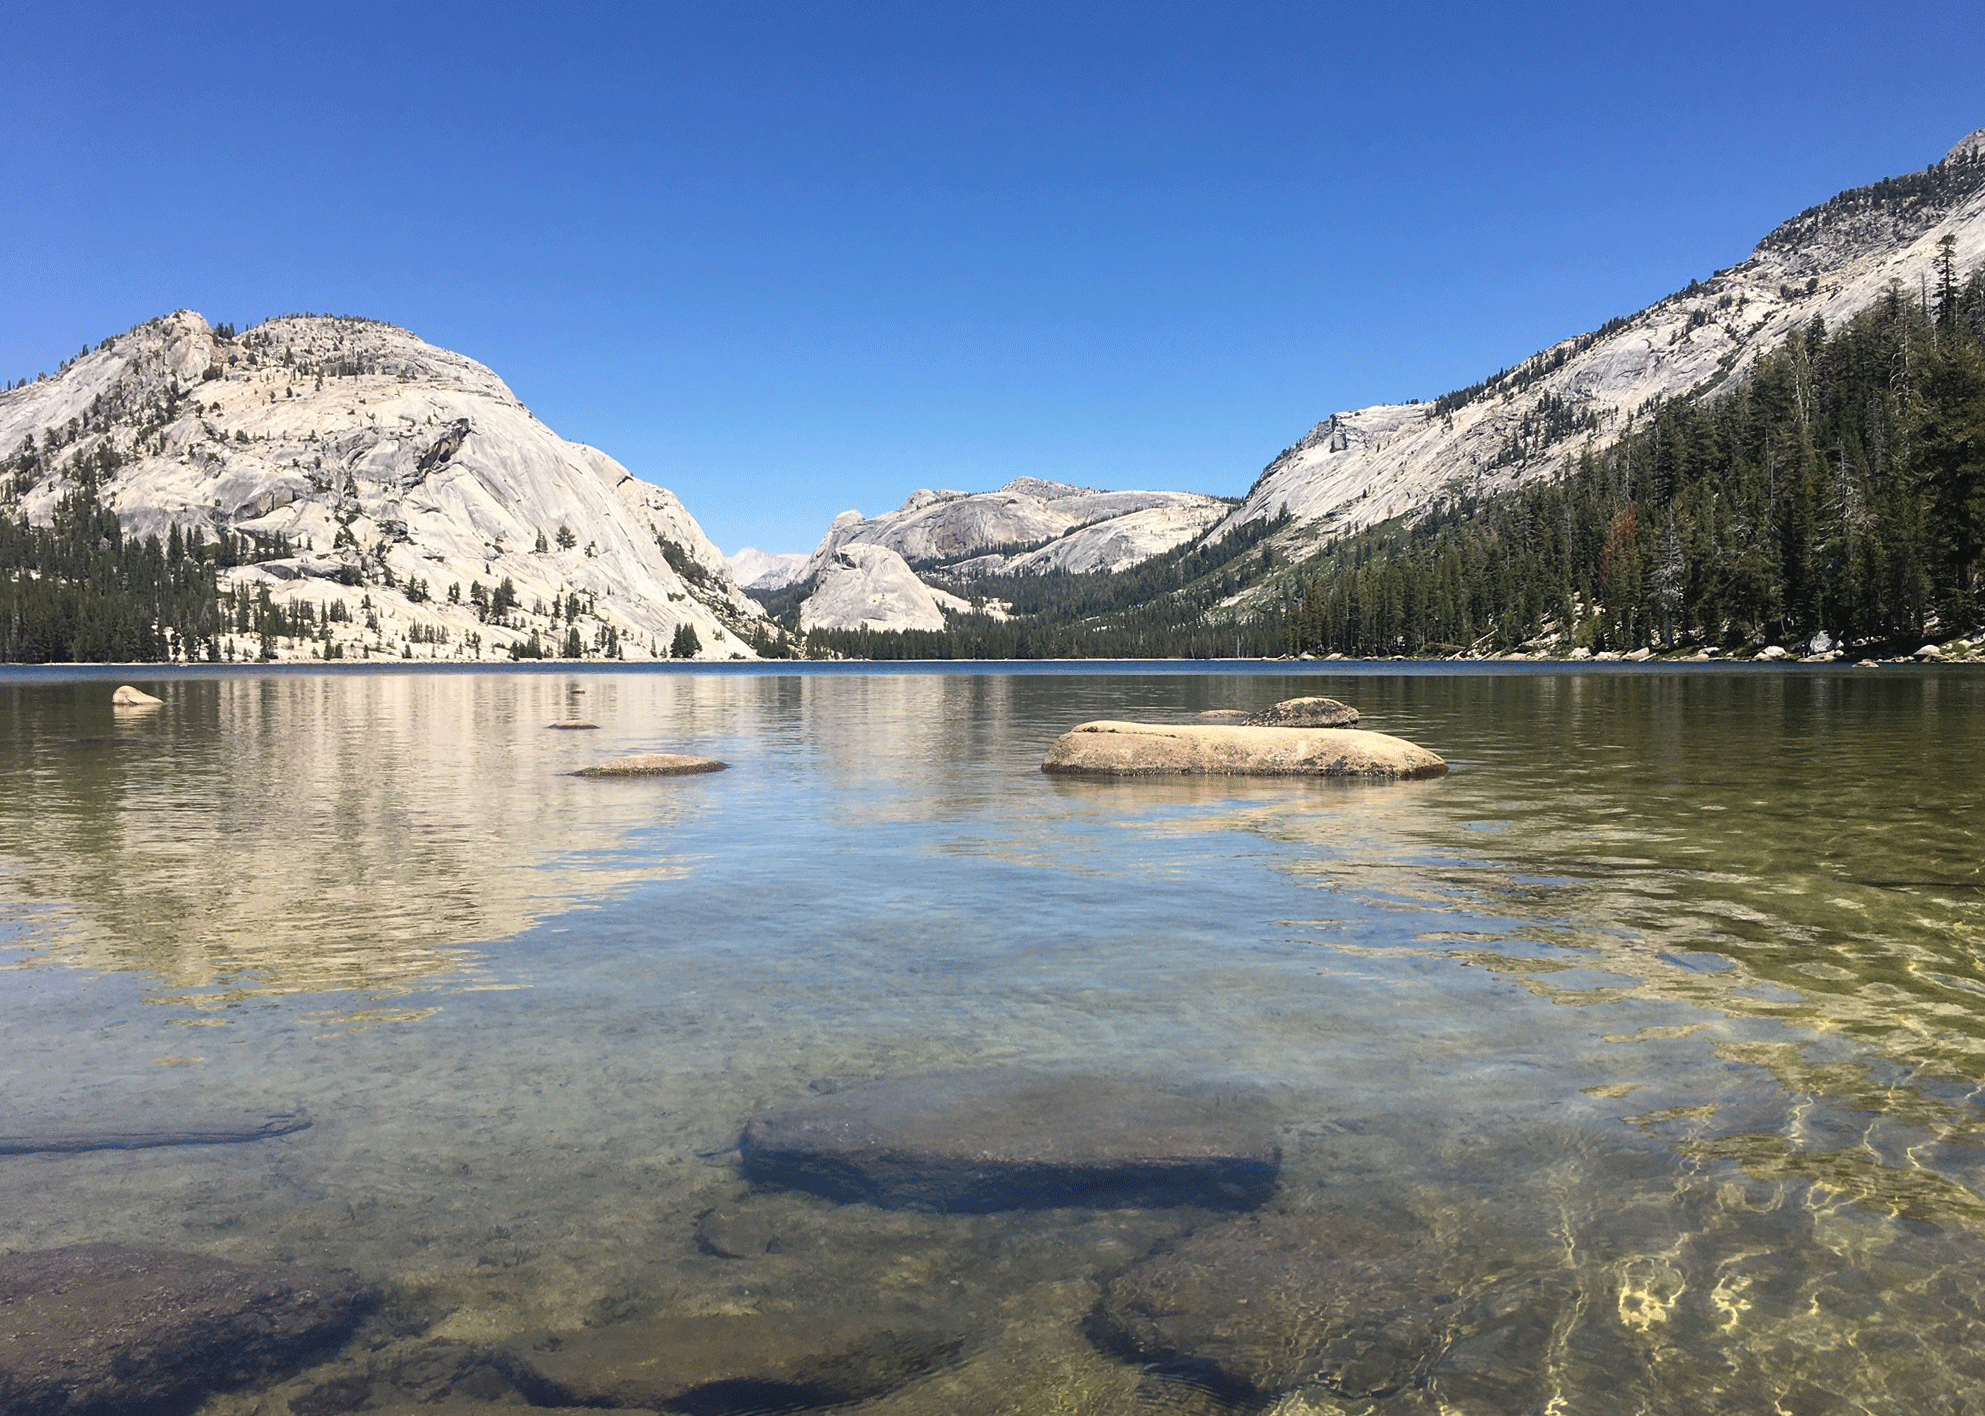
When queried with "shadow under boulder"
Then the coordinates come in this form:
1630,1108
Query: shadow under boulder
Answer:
103,1329
985,1141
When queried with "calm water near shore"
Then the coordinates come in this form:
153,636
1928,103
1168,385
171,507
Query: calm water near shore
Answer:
1661,1019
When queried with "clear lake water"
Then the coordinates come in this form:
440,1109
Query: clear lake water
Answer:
1656,1029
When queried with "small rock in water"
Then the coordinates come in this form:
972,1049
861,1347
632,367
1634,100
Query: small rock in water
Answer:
1107,749
986,1141
732,1362
724,1234
653,764
1274,1302
106,1328
1306,713
129,697
1223,715
572,727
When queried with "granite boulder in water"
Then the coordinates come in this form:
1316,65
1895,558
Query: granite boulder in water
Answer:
1305,713
1114,749
980,1142
102,1328
730,1362
1268,1303
653,764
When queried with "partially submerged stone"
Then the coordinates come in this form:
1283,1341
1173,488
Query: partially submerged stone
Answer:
653,764
129,697
985,1141
573,727
731,1362
1272,1302
105,1328
1112,749
1306,713
1223,715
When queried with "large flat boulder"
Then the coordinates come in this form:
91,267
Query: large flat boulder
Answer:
1272,1302
979,1142
102,1329
1114,749
730,1362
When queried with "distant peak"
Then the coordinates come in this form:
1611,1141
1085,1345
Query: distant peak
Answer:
1969,149
1045,490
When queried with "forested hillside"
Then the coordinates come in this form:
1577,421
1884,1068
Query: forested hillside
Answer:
1839,488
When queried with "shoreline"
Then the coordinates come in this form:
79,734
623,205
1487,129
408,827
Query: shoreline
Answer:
773,667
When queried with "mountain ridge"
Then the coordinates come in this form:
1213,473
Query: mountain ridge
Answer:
1360,467
385,470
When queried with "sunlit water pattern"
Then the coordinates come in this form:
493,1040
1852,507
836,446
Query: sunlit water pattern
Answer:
1663,1014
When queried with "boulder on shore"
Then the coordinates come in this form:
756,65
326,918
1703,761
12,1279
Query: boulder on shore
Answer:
985,1141
1112,749
1305,713
653,764
731,1361
106,1328
129,697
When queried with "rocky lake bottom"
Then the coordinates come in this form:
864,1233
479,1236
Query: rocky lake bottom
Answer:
362,1058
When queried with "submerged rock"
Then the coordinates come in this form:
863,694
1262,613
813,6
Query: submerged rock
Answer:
987,1141
731,1362
184,1131
572,727
102,1328
129,697
1223,715
653,764
1306,713
1112,749
1273,1302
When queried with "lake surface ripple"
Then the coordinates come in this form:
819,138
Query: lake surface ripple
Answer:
1652,1037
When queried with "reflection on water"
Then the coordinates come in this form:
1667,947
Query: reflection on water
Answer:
311,835
1633,1067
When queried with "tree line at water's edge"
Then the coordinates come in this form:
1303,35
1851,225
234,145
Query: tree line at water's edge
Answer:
1839,486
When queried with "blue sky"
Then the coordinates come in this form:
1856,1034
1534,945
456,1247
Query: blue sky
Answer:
793,258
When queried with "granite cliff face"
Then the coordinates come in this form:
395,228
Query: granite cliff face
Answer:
1356,469
1026,527
400,476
